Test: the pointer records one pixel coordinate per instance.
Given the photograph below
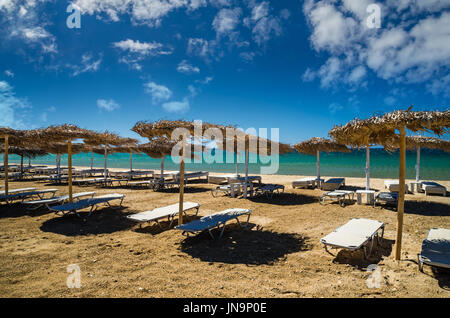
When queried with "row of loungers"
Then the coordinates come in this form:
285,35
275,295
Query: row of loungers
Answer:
427,187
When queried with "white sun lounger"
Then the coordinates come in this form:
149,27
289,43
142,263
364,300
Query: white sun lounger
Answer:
431,187
394,186
222,179
26,195
355,234
36,204
269,190
337,195
333,184
435,249
13,191
91,203
168,212
307,183
217,220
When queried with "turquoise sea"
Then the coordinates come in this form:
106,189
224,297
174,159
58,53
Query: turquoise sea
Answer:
435,164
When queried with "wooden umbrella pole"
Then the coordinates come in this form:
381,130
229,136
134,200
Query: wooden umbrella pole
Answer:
246,173
401,194
69,159
21,165
418,164
237,164
181,199
105,173
92,160
131,162
162,168
5,164
367,167
318,166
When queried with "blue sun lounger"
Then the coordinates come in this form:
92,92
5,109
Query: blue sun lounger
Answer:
435,249
87,203
36,204
217,220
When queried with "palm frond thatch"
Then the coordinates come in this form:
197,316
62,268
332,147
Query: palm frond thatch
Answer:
315,144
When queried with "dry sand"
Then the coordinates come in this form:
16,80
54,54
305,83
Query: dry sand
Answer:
279,256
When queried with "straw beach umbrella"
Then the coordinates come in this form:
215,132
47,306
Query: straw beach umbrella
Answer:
11,137
419,142
382,129
24,152
164,129
108,141
250,143
62,133
158,148
315,145
59,149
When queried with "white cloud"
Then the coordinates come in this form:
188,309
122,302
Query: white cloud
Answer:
12,108
177,107
9,73
263,24
226,21
137,51
88,64
334,108
186,68
108,105
201,47
412,45
23,20
159,93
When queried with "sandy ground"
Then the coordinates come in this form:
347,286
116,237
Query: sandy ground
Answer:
278,256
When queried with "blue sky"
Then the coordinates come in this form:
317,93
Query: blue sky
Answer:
301,66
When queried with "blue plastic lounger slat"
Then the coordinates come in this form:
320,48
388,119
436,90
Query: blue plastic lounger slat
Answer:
333,184
270,189
355,234
435,249
25,195
164,212
216,220
36,204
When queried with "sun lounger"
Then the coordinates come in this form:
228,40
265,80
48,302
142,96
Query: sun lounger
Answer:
22,196
337,195
389,198
94,181
12,191
216,220
36,204
333,184
222,179
354,235
233,189
431,187
168,212
307,183
435,249
394,186
91,203
269,190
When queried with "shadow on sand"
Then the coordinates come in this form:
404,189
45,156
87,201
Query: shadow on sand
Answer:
104,221
427,208
356,258
286,199
243,246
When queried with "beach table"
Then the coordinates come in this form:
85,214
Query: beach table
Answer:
370,196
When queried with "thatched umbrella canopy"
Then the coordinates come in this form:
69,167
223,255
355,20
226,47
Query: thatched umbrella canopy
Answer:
11,137
29,153
315,145
240,141
59,149
158,148
57,134
383,129
108,141
419,142
165,129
